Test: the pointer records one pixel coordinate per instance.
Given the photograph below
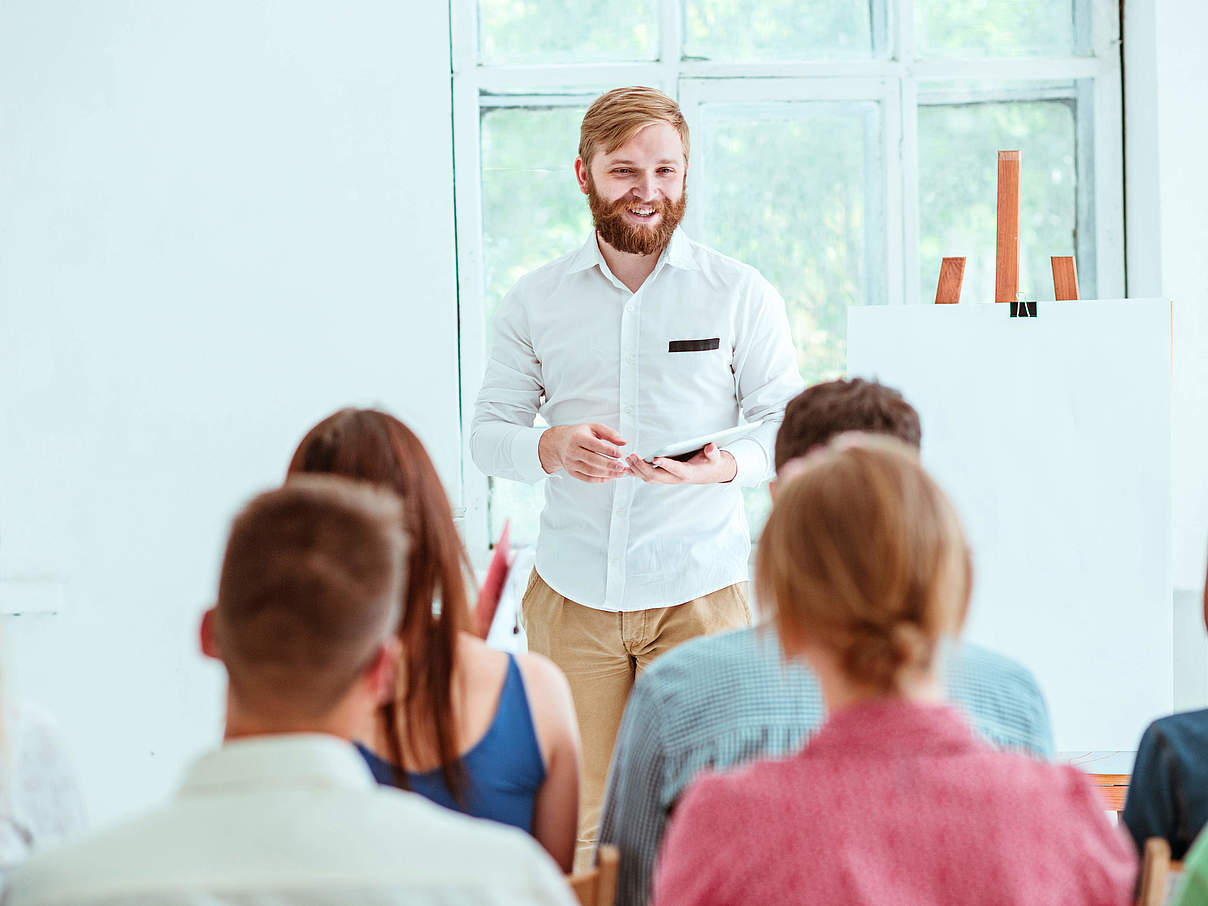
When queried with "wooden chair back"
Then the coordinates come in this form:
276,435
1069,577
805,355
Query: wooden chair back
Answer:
598,887
1158,874
1114,788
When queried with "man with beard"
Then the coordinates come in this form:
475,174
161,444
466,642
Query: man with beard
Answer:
640,338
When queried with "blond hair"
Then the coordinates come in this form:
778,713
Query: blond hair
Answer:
864,556
617,116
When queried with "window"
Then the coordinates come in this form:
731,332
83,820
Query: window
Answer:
842,148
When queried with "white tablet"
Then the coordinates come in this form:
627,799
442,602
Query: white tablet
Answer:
686,449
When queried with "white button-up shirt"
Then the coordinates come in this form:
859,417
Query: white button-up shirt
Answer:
293,819
575,345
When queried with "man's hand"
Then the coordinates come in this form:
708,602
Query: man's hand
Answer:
709,466
587,452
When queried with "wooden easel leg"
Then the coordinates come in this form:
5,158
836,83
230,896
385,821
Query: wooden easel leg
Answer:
1006,270
1065,279
952,274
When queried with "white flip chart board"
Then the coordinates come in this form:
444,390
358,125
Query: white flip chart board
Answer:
1052,436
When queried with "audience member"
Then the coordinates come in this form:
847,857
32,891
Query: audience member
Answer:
286,810
727,699
1168,790
472,728
895,799
40,802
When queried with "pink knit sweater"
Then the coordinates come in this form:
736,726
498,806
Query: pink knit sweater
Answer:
895,803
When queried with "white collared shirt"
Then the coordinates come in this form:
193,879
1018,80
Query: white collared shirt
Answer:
575,345
293,819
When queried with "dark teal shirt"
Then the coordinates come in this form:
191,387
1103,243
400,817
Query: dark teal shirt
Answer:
1168,790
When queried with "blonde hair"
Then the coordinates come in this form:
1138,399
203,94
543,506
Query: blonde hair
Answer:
864,556
616,116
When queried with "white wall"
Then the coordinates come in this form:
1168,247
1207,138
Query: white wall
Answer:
1166,81
218,222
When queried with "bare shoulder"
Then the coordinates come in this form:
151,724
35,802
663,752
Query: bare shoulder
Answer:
550,702
478,660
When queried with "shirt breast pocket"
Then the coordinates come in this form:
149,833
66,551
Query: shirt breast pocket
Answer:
702,362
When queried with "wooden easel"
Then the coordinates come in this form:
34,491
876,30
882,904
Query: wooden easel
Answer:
1006,248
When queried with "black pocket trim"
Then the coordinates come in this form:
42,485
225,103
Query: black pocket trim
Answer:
694,345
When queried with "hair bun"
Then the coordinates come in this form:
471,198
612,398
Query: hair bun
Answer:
878,654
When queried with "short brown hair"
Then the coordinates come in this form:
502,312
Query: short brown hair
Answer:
616,116
309,590
864,555
825,410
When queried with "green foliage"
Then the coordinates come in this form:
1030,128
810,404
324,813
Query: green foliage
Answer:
786,192
777,30
994,28
595,31
568,31
532,209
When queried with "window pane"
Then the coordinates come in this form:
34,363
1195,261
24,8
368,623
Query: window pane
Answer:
958,195
795,189
777,30
995,28
532,212
532,209
567,31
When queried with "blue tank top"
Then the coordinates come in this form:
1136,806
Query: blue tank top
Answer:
503,771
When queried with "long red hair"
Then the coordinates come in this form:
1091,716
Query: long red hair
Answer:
376,447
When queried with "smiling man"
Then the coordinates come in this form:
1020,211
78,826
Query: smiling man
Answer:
639,339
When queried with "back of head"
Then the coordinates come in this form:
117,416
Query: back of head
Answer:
618,115
373,446
864,557
824,411
308,593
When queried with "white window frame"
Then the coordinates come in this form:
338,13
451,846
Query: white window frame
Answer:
894,82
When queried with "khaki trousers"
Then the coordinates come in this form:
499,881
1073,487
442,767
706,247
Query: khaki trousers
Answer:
601,654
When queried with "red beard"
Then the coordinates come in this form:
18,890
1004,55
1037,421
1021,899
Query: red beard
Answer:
635,239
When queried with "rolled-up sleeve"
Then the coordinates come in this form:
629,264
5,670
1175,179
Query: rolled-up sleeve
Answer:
503,440
765,369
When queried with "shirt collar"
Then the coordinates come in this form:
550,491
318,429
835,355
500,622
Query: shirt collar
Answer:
678,253
306,760
588,256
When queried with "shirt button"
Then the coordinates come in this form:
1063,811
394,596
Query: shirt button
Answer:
630,359
628,410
